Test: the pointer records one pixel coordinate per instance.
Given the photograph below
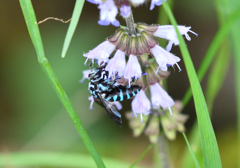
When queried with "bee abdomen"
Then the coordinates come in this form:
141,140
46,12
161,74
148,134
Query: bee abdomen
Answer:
120,93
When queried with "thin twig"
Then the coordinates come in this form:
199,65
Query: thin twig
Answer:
53,18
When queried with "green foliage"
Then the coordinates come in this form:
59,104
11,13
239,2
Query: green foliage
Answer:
211,154
72,27
32,26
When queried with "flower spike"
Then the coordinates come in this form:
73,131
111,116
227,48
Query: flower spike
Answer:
108,13
155,2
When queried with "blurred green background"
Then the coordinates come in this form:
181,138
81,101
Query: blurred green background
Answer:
31,115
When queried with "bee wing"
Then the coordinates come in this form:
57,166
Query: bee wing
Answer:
111,110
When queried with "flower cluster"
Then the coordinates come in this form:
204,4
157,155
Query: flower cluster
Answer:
109,9
159,119
143,42
128,54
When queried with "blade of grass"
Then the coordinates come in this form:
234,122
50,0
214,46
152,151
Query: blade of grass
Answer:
211,52
141,155
52,159
217,73
190,149
208,58
73,24
210,150
33,29
235,41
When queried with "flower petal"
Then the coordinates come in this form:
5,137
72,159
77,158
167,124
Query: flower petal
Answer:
108,13
102,51
168,32
133,68
160,97
141,104
117,64
85,75
163,57
125,11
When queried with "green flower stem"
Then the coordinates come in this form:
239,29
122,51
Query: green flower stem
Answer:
141,156
130,23
33,29
209,145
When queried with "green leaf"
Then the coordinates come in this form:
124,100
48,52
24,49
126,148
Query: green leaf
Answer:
219,76
141,155
210,150
226,8
217,73
51,159
212,50
33,29
190,149
73,24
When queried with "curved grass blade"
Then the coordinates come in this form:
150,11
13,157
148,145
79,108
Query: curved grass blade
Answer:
209,56
141,156
33,29
210,150
190,149
217,73
212,50
73,24
235,41
52,159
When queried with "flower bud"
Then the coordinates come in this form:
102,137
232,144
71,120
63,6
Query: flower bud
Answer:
150,29
149,40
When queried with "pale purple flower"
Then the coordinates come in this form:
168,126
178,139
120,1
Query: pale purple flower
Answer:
85,75
102,51
155,2
160,97
133,68
168,32
164,58
117,64
96,2
91,98
118,105
108,13
125,11
141,104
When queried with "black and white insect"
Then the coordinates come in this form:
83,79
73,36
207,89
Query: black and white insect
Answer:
103,89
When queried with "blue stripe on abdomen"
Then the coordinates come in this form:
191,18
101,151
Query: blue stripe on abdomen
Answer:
108,98
115,98
121,97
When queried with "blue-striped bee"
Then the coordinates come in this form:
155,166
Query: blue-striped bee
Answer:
103,89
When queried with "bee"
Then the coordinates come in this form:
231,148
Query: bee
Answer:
103,89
